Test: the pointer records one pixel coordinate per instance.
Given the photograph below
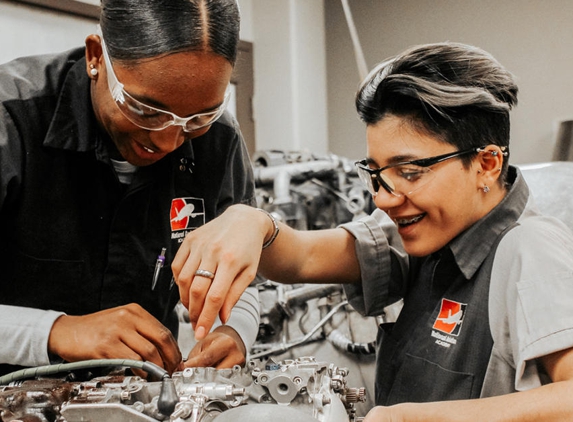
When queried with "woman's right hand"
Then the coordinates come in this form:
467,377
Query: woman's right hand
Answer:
230,247
125,332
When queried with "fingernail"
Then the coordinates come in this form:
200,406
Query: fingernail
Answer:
223,317
199,333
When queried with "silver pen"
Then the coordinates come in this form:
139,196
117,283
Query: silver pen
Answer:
158,265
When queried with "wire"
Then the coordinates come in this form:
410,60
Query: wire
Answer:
360,61
149,367
280,348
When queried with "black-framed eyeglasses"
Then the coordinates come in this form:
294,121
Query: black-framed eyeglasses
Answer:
406,177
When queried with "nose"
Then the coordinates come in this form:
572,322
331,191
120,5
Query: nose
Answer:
168,139
385,200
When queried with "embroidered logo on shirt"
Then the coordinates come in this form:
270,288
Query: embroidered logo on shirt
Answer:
186,214
450,318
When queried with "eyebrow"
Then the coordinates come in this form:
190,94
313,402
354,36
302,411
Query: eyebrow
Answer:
147,100
157,104
404,158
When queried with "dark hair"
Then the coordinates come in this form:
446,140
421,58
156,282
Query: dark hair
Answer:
140,29
455,92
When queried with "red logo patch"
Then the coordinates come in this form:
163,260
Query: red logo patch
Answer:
450,318
185,212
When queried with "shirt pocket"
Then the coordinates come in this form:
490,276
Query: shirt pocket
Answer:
419,380
45,283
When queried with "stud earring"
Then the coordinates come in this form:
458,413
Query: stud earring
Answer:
93,70
485,189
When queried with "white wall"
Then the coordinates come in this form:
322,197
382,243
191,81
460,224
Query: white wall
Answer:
27,30
290,75
246,8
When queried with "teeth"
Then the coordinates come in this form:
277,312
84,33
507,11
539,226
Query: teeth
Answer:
405,221
148,150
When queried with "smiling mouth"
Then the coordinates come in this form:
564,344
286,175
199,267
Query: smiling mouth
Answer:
146,149
403,222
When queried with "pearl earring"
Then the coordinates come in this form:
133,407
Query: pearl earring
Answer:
485,189
93,70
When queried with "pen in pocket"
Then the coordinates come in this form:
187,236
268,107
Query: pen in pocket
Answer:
158,265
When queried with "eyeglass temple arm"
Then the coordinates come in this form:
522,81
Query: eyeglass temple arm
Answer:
426,162
116,88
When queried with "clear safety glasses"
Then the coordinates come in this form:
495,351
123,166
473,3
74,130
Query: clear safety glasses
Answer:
152,118
404,178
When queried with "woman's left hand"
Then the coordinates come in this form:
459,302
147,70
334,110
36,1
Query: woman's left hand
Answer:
222,348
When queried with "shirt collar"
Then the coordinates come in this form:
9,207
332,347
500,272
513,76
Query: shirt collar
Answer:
73,126
472,247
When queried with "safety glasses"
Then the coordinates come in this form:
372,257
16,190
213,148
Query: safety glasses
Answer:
152,118
406,177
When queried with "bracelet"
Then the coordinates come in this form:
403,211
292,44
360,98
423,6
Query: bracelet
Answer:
276,226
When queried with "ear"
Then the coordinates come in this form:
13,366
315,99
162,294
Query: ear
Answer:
94,56
490,163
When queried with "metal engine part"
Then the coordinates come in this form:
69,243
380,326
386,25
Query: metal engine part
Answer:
301,389
307,191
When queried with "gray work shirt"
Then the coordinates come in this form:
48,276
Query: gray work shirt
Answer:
531,282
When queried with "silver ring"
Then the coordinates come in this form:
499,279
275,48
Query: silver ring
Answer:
204,273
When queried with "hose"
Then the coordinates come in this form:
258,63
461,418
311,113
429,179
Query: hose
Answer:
338,339
149,367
